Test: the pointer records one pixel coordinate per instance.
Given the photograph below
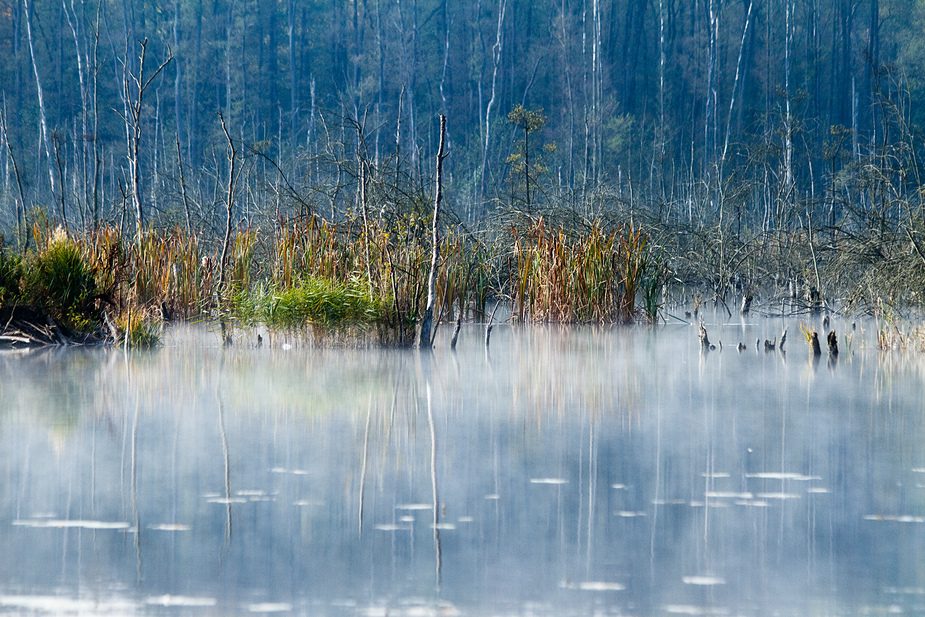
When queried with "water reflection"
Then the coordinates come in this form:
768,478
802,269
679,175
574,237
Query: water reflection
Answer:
571,470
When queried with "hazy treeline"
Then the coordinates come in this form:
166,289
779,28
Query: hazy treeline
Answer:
756,114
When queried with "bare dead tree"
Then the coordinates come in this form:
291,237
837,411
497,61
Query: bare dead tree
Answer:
189,224
233,174
43,118
496,60
424,338
21,205
134,88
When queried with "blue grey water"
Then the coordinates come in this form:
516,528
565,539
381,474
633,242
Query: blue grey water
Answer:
564,471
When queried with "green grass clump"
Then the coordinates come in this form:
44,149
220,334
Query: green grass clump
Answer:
58,280
10,278
140,329
314,301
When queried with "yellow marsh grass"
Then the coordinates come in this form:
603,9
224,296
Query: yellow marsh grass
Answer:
590,277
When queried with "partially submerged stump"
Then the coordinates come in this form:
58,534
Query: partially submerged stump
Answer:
814,343
832,340
704,339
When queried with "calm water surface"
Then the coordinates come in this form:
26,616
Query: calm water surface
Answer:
565,472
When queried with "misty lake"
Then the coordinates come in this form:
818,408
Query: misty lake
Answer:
565,471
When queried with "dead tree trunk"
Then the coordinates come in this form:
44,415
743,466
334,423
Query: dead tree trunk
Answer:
424,338
41,98
134,90
229,202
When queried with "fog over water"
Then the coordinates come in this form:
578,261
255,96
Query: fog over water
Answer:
564,470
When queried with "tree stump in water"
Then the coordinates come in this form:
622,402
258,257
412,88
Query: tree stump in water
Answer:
832,340
814,342
705,340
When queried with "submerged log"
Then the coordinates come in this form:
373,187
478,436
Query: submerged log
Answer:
25,326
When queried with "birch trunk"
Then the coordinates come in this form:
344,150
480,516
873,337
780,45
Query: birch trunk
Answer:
496,60
43,118
425,338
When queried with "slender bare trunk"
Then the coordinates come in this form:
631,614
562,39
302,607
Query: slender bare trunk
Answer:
735,86
74,25
229,202
134,87
424,338
189,223
496,60
293,78
43,118
22,237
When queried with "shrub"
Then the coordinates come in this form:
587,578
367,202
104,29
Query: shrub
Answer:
59,281
10,278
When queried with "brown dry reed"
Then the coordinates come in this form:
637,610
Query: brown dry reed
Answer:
567,277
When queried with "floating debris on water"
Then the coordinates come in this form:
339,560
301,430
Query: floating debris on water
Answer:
548,481
415,506
270,607
295,472
896,518
62,524
591,585
418,608
600,586
728,495
778,475
687,609
619,487
752,503
170,527
168,600
703,580
59,604
250,493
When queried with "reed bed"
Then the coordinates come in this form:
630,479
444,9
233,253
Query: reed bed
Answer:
568,277
329,278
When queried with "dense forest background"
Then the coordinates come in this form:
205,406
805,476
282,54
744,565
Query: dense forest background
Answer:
753,115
